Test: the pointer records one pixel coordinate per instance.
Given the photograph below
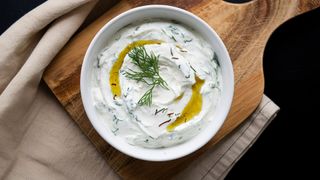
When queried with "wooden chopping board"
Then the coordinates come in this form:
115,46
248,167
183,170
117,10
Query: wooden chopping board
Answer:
244,28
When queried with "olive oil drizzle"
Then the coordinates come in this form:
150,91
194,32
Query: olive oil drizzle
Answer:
177,99
193,107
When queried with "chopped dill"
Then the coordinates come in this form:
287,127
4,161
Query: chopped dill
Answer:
187,40
160,110
164,32
193,69
115,131
116,119
215,58
172,37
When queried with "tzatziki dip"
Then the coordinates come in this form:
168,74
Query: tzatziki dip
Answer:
154,83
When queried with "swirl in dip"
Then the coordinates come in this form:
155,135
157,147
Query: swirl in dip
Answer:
157,79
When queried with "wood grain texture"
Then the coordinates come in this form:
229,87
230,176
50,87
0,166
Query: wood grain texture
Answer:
244,28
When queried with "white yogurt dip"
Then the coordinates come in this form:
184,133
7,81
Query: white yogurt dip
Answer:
168,107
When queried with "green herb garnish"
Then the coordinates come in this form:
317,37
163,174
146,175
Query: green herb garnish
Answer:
149,72
215,58
173,38
160,110
193,69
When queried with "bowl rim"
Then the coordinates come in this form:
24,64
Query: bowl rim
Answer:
86,60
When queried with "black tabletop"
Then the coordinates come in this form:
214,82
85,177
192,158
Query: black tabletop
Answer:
292,81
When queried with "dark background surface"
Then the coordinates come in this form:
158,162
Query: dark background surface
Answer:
292,81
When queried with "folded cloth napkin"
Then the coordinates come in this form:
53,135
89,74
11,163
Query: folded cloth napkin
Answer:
37,138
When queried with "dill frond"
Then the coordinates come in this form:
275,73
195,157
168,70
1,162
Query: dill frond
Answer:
148,72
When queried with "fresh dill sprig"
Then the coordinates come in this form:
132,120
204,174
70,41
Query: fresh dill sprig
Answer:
149,72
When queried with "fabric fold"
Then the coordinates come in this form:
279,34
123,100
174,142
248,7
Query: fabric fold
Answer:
19,39
20,84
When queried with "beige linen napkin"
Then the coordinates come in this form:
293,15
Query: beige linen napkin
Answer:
38,140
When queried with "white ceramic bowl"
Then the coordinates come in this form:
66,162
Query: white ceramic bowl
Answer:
189,19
